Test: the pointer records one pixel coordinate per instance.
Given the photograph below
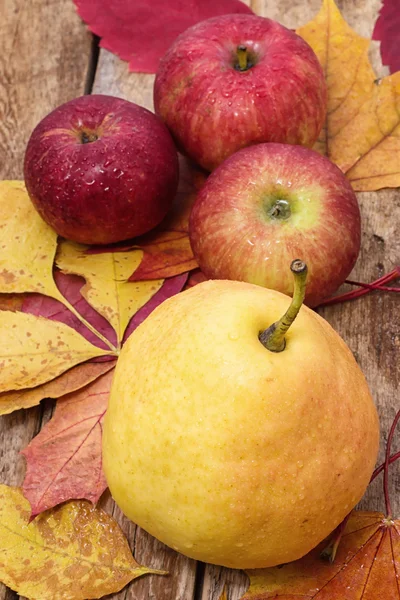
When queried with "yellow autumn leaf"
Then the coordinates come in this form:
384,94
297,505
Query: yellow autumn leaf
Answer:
362,128
74,552
107,289
28,245
34,350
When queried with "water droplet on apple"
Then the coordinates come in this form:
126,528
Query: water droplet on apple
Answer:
118,173
90,182
233,336
188,545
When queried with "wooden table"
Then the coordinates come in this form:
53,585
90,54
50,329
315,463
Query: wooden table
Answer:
46,58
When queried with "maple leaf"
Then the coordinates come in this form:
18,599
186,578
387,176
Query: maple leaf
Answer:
75,552
153,25
362,128
387,30
64,459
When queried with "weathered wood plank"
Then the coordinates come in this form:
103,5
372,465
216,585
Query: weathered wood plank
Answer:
44,57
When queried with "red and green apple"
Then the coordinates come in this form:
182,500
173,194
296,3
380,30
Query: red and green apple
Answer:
272,203
237,80
101,169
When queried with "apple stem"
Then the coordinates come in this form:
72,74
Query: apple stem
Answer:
242,64
273,338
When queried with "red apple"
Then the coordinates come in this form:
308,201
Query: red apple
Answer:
237,80
269,204
100,169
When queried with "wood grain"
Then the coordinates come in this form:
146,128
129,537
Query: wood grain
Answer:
44,61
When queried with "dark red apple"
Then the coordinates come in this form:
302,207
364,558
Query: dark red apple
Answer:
100,169
237,80
269,204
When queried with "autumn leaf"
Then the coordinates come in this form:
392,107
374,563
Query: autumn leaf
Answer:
367,566
387,30
107,289
153,25
70,381
74,552
64,459
362,129
34,350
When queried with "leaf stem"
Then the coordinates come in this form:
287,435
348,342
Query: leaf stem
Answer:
273,338
379,469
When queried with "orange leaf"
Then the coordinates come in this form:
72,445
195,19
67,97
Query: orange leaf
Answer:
68,382
11,301
64,459
362,129
167,250
367,567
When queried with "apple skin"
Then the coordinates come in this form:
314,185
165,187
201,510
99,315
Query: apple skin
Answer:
113,188
234,236
213,110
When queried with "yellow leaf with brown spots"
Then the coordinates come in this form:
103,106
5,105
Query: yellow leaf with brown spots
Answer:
70,381
107,289
74,552
27,244
361,133
34,350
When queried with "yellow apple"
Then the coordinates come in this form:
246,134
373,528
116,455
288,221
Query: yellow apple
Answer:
226,451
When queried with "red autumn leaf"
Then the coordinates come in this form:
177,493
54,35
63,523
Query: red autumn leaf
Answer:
366,567
64,459
141,31
70,286
170,287
387,31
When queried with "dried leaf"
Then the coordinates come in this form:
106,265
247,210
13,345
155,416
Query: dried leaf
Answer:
167,250
70,286
107,289
76,552
64,459
362,129
366,567
28,244
170,287
74,379
34,350
152,25
387,30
